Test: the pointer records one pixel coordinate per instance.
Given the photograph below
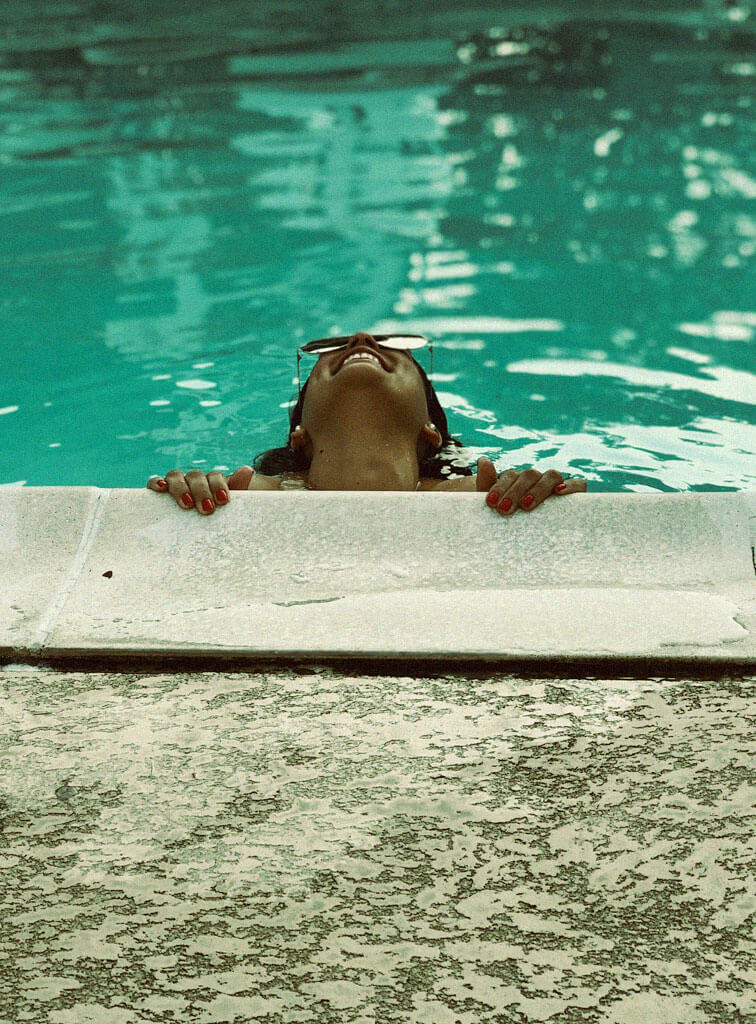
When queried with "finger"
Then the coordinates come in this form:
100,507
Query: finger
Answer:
158,483
200,491
219,486
551,483
575,485
239,480
485,478
541,490
509,501
178,488
500,487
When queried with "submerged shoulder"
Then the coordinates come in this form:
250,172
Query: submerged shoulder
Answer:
284,482
261,482
455,483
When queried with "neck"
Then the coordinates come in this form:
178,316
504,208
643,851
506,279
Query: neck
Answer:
363,473
355,457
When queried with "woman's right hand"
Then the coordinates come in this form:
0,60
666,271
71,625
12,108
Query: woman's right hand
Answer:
201,491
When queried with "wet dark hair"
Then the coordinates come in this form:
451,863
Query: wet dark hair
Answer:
447,461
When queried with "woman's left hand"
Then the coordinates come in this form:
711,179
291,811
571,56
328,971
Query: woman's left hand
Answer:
522,489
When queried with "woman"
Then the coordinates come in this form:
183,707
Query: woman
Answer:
367,419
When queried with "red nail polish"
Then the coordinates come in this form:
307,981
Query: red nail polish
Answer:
559,488
504,505
492,498
527,501
187,500
221,497
161,483
207,504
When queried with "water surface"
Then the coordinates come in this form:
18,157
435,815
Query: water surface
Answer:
565,204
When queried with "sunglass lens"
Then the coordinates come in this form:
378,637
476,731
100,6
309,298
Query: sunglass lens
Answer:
396,341
403,341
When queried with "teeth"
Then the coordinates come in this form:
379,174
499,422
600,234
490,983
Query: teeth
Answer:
362,355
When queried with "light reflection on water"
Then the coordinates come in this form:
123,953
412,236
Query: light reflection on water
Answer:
567,210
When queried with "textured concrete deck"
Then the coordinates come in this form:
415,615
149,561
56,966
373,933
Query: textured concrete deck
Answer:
377,575
307,848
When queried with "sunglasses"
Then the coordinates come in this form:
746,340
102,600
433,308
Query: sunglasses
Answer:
402,342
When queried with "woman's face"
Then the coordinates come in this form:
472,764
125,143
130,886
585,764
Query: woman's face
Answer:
364,371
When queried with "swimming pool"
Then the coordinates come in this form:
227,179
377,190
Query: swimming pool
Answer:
565,205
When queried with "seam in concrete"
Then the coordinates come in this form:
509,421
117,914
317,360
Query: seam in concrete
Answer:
664,666
50,618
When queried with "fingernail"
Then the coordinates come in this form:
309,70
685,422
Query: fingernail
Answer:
221,497
187,500
207,504
527,501
161,483
492,498
559,488
504,505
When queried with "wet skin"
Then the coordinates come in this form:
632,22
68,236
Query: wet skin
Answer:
384,381
364,426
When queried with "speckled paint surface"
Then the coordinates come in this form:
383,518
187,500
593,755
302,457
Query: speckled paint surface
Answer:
323,848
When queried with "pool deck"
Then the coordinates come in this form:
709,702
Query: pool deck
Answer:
608,582
318,847
409,844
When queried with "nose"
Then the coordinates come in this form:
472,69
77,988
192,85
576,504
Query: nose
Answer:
362,338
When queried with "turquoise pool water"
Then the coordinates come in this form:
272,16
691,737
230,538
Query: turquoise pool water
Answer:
565,205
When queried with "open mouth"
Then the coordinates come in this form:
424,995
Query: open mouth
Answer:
362,355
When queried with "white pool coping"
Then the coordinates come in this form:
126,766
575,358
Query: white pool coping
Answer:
616,579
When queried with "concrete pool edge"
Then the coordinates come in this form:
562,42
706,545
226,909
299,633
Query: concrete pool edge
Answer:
620,583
